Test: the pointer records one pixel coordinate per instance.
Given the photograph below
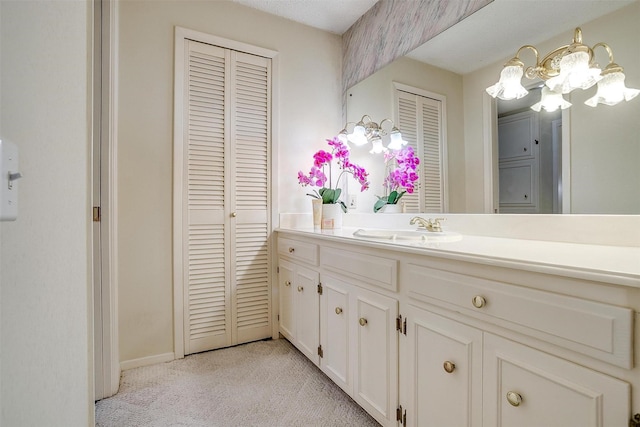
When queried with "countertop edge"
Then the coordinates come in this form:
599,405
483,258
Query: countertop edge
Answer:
598,275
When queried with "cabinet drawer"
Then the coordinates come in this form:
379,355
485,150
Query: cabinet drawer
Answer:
296,249
601,331
375,270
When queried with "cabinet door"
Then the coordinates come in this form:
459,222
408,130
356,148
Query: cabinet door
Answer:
375,352
524,387
335,332
287,307
307,303
444,371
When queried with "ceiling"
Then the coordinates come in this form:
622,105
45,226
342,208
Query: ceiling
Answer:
456,49
335,16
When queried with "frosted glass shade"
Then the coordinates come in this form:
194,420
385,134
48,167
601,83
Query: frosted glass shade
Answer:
358,137
509,86
575,73
550,101
611,90
396,142
377,146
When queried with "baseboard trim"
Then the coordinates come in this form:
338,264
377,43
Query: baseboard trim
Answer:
146,361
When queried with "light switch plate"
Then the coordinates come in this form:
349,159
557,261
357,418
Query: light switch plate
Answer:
8,187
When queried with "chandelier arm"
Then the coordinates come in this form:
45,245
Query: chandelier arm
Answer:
607,48
530,72
387,120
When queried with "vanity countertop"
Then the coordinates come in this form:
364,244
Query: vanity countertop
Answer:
610,264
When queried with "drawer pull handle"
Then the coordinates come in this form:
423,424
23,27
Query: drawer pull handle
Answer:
338,310
287,283
363,321
479,301
292,250
514,398
449,367
300,289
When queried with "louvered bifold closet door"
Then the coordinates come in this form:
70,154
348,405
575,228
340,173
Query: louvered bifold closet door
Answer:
420,121
432,155
251,186
208,314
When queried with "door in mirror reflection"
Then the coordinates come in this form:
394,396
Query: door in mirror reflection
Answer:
529,160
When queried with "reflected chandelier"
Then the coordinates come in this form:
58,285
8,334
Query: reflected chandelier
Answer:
366,130
563,70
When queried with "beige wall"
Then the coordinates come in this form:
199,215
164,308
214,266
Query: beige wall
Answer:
374,96
308,107
605,147
46,345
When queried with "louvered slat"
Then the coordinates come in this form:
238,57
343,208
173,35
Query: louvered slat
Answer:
252,275
206,281
408,125
432,161
252,135
205,128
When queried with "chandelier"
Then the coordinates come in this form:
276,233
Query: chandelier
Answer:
367,131
563,70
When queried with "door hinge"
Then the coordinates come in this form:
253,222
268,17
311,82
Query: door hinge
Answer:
320,288
278,269
401,416
401,324
635,421
96,213
320,352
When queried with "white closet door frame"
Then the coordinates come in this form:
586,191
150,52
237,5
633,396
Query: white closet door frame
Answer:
181,35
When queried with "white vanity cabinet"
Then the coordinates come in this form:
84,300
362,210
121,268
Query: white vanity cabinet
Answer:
360,345
419,339
298,281
374,348
335,317
359,339
524,387
441,383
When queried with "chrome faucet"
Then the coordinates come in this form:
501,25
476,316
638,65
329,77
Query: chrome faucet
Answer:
430,224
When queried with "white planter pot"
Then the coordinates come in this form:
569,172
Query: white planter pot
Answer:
331,216
391,209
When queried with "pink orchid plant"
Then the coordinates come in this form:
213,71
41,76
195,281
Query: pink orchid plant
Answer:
401,177
318,178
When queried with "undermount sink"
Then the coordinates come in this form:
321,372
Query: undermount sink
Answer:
422,235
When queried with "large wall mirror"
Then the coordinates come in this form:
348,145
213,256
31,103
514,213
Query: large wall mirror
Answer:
588,158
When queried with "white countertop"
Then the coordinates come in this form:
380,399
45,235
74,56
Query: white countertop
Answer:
611,264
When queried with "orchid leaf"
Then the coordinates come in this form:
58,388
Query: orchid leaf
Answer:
379,204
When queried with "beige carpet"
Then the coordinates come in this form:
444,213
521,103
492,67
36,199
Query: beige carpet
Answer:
265,383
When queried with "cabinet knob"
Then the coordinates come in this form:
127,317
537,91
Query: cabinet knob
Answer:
287,283
300,289
292,250
234,214
514,398
338,310
479,301
449,366
363,321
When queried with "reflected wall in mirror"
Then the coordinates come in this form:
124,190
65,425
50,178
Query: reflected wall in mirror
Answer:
599,169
